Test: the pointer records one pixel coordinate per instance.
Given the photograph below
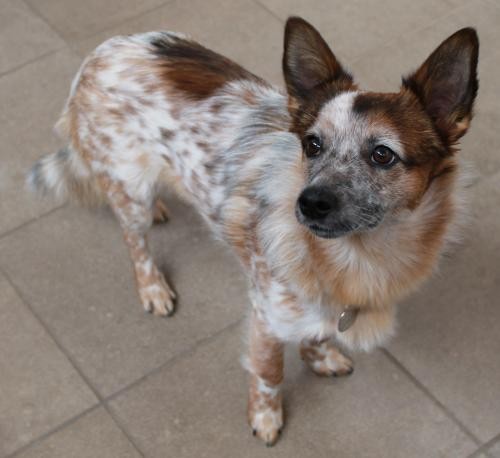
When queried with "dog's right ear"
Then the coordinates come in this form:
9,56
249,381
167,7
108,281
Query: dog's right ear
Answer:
308,62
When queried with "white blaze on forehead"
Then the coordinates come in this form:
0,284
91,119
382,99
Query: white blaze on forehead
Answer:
337,120
338,113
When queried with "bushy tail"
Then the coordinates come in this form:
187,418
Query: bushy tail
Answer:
65,176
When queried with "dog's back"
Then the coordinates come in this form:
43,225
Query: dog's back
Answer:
154,109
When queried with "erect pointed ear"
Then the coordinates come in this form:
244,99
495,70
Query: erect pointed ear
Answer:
307,61
446,83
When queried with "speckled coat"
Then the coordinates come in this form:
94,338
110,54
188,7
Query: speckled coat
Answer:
157,109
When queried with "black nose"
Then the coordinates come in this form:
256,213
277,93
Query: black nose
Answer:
316,203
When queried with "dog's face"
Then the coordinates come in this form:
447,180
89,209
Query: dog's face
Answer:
368,155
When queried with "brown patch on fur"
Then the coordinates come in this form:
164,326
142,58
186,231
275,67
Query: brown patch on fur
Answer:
160,211
266,366
266,353
195,70
143,161
129,109
167,160
167,134
203,145
105,140
216,107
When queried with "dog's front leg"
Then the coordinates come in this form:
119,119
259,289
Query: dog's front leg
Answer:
265,413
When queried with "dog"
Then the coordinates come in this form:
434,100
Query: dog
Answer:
337,202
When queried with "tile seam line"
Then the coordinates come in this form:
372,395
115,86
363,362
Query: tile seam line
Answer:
70,42
171,361
424,390
71,360
485,447
104,401
115,415
35,12
269,11
31,221
34,60
53,431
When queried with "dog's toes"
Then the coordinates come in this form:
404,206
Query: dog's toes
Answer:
326,361
160,212
158,299
343,368
267,425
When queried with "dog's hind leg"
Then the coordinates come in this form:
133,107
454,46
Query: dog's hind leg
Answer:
265,413
324,359
135,218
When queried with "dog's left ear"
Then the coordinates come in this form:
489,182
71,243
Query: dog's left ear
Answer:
308,62
446,83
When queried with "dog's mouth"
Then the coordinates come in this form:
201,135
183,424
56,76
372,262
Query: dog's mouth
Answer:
329,232
336,229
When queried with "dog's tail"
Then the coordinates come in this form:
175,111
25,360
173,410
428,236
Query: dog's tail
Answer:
66,176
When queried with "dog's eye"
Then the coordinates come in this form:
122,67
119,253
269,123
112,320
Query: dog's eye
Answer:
312,145
383,156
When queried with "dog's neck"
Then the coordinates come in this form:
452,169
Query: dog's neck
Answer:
371,269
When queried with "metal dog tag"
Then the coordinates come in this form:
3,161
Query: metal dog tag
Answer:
347,318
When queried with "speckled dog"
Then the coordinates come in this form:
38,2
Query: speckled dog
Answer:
336,201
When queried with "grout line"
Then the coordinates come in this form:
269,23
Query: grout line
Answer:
485,447
124,21
171,361
58,428
37,14
71,43
31,61
271,12
101,400
122,428
433,398
31,221
68,356
77,39
189,351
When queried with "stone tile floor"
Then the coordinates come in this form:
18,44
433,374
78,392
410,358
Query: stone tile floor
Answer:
85,373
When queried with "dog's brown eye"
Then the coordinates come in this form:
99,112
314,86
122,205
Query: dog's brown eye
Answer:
383,156
312,145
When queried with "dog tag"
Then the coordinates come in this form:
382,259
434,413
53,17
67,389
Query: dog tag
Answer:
347,318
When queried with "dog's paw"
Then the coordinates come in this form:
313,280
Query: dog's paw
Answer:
160,212
325,360
158,298
267,424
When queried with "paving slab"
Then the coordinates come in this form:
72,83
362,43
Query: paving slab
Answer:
196,407
39,387
93,435
74,269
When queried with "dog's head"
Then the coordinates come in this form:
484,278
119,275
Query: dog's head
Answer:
370,155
